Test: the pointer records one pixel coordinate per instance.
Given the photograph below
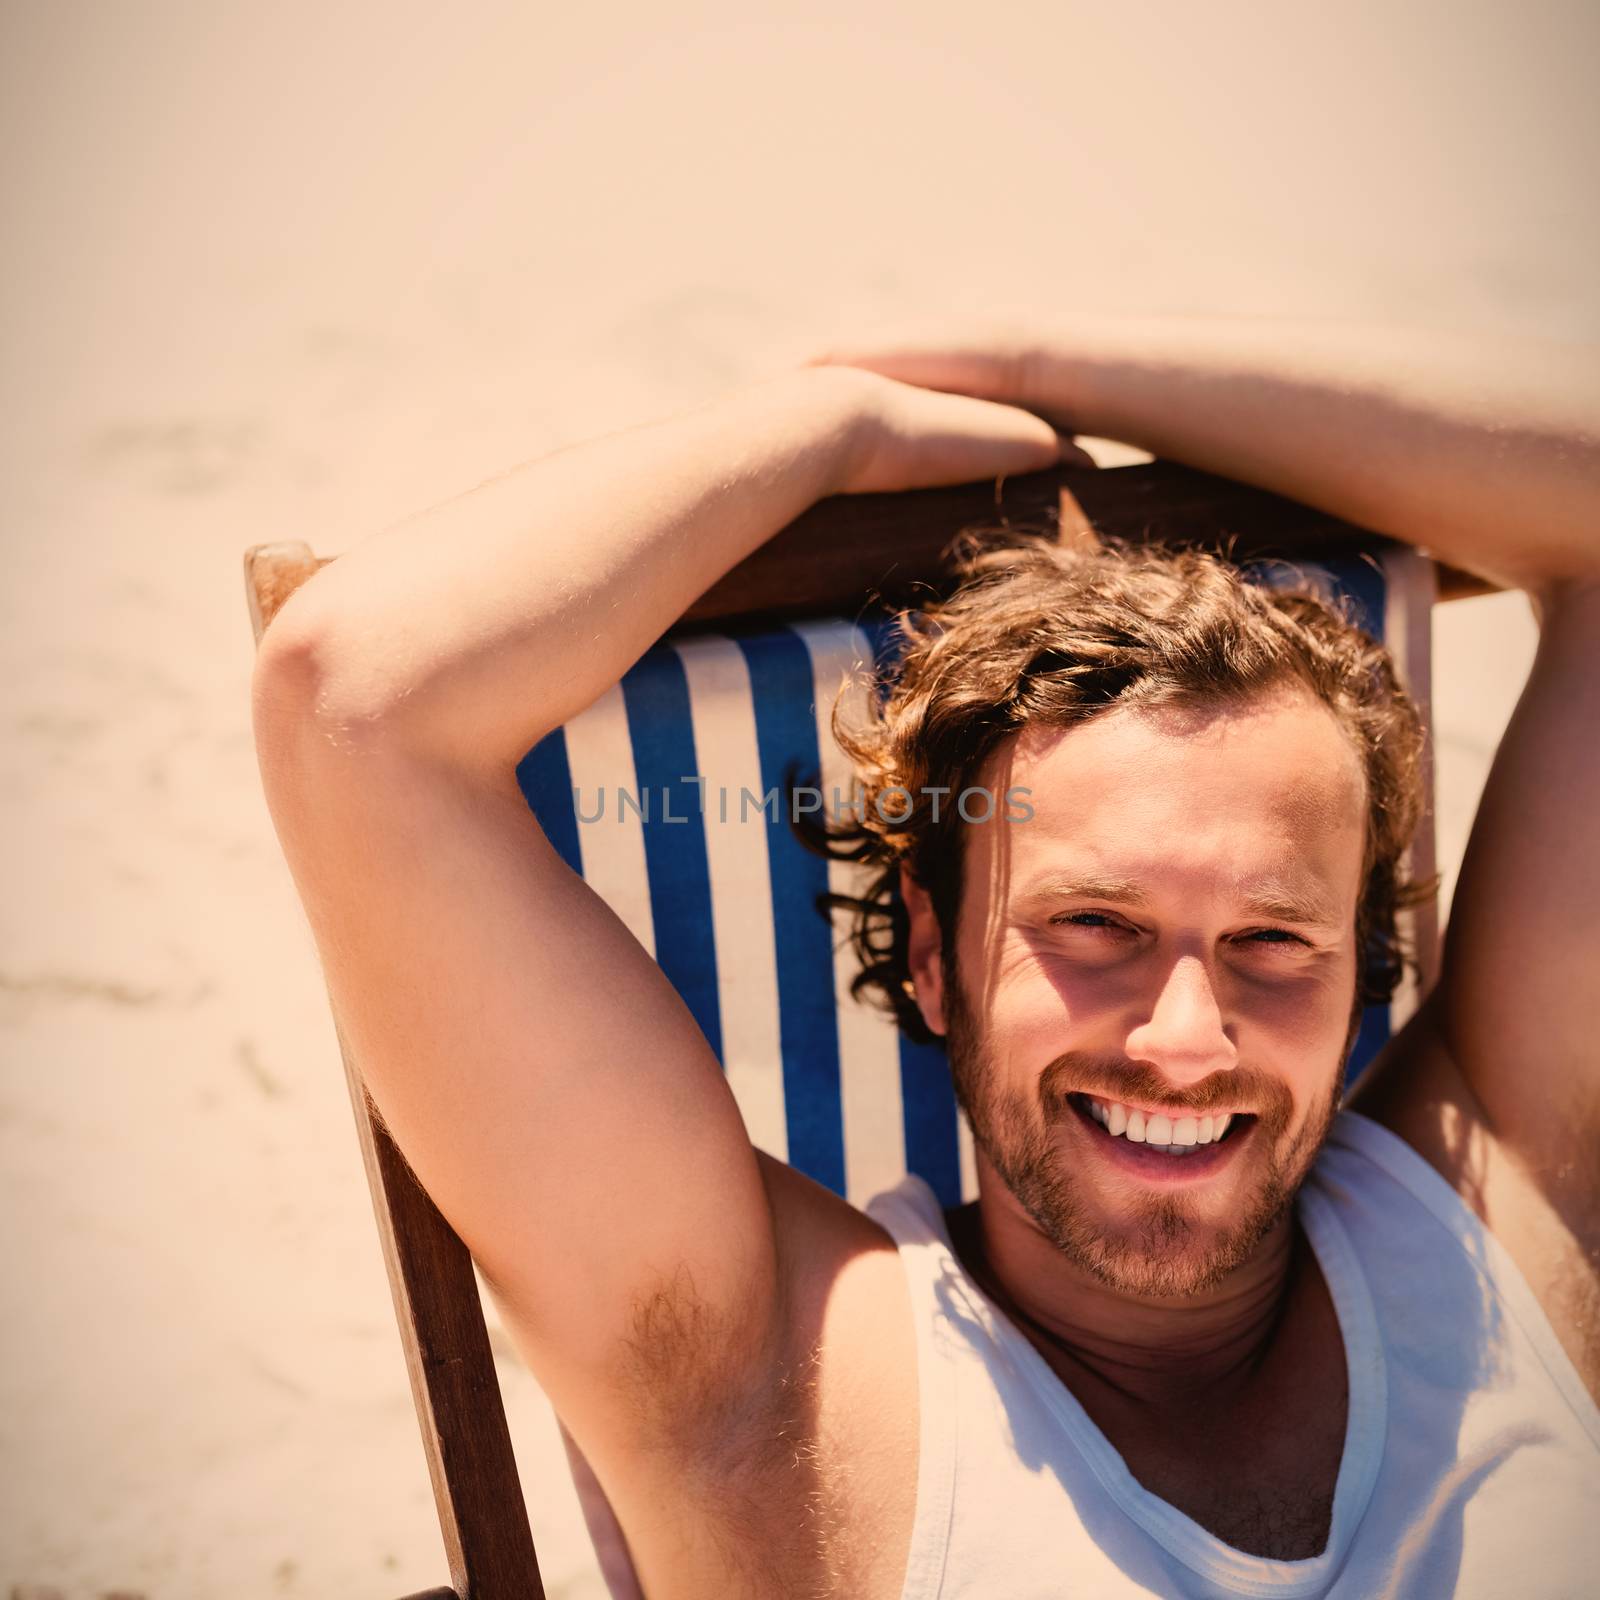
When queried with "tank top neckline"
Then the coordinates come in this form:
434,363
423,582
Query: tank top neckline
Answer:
1187,1540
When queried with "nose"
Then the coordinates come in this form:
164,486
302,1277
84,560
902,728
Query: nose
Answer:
1184,1035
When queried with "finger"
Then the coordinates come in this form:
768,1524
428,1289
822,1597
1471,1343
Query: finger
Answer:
1072,453
986,357
942,439
984,373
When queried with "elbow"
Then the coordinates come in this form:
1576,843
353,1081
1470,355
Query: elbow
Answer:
294,650
304,687
285,696
323,697
289,658
332,680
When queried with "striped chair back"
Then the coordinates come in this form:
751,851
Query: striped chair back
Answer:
672,796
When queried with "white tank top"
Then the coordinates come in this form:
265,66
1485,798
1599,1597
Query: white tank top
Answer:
1471,1456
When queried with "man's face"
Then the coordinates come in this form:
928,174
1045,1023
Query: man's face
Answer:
1171,934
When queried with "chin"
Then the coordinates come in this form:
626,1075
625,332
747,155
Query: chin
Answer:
1164,1251
1145,1242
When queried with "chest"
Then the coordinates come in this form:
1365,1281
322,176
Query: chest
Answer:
1268,1492
1257,1467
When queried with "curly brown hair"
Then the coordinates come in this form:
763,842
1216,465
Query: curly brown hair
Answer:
1037,632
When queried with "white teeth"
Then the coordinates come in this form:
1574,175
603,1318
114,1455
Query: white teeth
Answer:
1157,1129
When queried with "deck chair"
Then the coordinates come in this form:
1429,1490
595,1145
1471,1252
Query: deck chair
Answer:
739,693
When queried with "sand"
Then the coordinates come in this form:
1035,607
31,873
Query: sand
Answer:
296,271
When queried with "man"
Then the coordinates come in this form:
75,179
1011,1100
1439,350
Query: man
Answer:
1126,1370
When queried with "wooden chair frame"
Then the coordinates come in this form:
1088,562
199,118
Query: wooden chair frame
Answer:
829,559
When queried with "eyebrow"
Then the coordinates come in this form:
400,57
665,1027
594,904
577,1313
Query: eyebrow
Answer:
1270,898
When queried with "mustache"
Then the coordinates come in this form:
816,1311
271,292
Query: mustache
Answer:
1116,1078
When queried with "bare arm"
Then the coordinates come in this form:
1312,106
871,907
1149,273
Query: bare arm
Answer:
540,1074
484,623
1485,452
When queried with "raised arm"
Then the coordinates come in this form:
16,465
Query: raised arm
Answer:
539,1073
1486,452
483,623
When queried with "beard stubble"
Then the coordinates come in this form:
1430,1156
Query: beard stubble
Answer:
1156,1251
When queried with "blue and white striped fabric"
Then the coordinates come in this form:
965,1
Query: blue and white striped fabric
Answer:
661,795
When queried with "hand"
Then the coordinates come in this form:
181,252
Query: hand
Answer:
913,437
1008,360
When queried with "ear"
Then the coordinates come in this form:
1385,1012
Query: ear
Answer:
926,950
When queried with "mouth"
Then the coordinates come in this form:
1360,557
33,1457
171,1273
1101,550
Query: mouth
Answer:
1159,1147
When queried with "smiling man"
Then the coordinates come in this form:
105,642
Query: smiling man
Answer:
1200,898
1203,1332
1166,1137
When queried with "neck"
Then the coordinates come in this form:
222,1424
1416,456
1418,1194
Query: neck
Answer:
1160,1350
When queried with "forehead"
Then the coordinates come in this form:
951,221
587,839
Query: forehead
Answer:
1248,800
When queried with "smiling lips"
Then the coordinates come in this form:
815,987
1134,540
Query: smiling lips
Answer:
1181,1135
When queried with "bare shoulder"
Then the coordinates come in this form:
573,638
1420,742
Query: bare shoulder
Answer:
820,1235
848,1310
800,1476
850,1320
1496,1080
1542,1213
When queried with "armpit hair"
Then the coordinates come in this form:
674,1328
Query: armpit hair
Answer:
719,1396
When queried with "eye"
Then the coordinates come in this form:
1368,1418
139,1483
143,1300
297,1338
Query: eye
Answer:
1088,919
1273,936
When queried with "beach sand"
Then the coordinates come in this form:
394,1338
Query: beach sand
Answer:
295,271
